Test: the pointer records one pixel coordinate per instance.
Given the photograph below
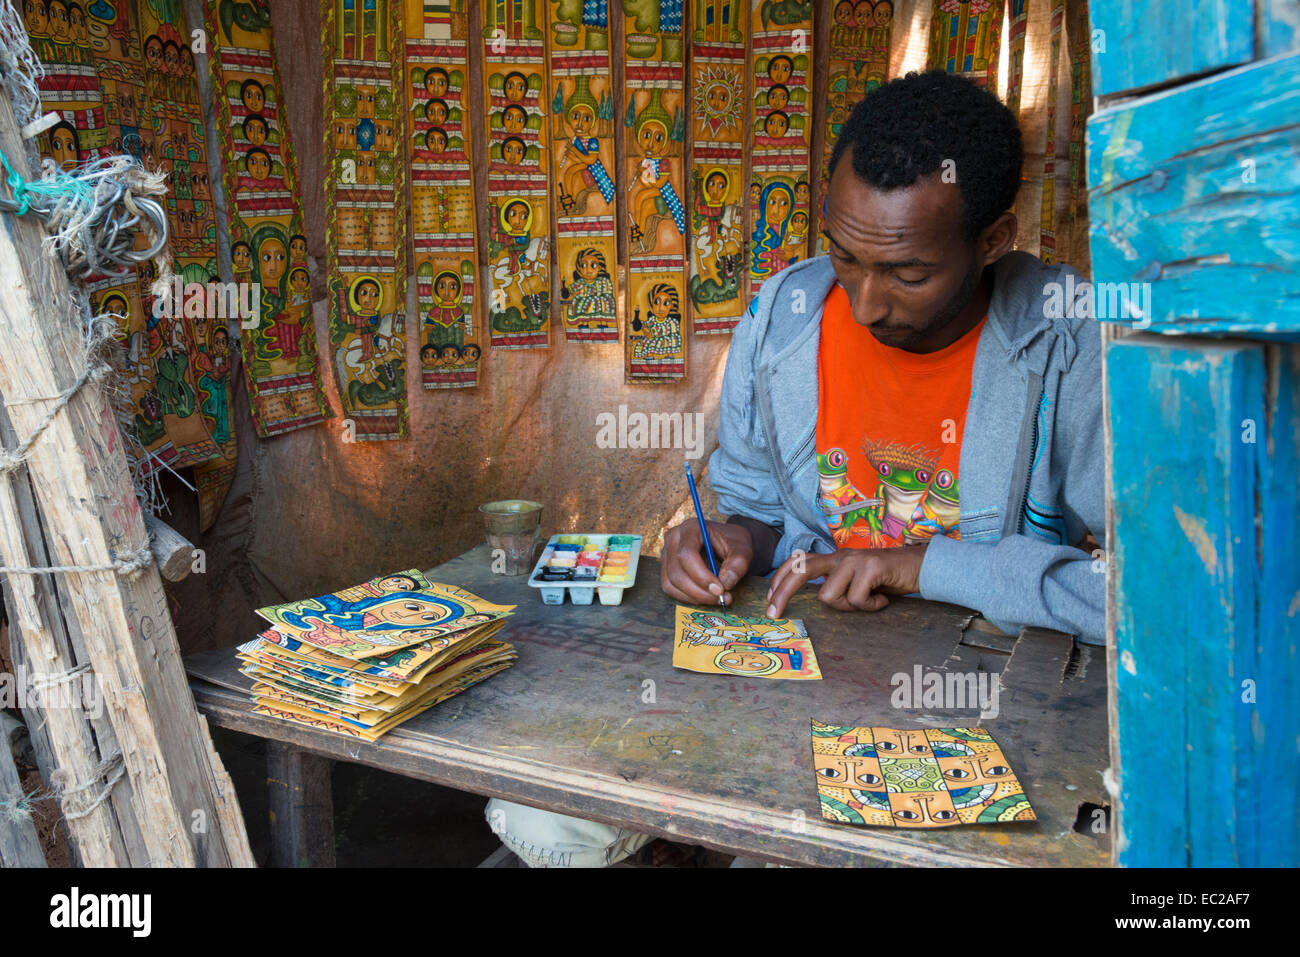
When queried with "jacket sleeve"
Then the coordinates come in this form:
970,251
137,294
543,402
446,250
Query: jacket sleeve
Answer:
740,470
1024,581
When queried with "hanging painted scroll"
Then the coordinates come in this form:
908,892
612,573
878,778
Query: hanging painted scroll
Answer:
965,38
365,239
718,285
1080,40
781,127
443,213
518,200
1018,21
582,143
859,62
265,222
654,120
1047,236
174,133
122,76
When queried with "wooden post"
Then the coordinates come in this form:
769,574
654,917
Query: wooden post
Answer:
19,844
181,795
302,807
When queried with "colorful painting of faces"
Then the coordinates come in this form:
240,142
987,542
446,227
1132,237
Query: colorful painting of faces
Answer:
382,615
925,777
264,222
722,643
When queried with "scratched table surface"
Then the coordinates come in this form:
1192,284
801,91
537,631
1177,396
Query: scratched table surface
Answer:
594,721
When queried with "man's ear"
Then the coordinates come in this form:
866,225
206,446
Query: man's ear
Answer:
997,238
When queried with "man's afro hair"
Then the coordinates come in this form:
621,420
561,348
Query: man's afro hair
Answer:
905,129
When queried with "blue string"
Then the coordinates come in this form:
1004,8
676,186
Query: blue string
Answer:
61,183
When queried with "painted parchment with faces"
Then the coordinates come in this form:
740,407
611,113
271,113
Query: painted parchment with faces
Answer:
931,777
722,643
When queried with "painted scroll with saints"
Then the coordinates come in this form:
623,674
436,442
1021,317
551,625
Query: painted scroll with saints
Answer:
518,179
654,120
365,163
780,124
443,212
860,35
264,220
965,38
582,144
719,60
1047,217
122,79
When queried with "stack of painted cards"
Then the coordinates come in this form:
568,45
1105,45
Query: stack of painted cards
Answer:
362,660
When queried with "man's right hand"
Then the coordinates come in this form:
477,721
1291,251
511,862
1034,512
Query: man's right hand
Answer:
684,570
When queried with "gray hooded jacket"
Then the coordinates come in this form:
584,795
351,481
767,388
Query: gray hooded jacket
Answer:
1032,462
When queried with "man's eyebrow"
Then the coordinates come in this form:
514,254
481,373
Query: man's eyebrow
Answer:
912,263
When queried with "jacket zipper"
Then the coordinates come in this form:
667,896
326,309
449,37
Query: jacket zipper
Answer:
1029,468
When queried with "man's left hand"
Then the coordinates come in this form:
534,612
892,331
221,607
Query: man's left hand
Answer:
857,579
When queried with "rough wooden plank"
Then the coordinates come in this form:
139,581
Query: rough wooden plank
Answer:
20,846
1270,723
1196,192
1277,27
302,807
83,489
1185,593
593,720
1154,41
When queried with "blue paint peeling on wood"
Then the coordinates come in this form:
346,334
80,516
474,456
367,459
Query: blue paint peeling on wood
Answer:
1196,190
1278,29
1275,720
1187,595
1156,41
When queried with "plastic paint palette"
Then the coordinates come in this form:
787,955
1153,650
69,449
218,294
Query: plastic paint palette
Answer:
586,566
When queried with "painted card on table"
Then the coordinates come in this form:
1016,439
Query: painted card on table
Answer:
721,643
582,143
386,613
518,179
365,241
859,63
925,778
719,66
264,219
443,210
654,120
781,129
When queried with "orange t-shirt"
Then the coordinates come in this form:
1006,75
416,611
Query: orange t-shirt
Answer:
889,431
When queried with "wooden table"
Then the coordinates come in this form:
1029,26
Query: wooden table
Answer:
594,721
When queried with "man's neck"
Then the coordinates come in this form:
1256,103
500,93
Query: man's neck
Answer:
966,320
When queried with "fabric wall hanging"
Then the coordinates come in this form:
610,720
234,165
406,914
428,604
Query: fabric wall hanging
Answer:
719,97
365,244
860,35
582,143
1047,216
965,38
654,121
781,55
174,140
518,182
443,213
1080,39
264,216
123,90
1018,22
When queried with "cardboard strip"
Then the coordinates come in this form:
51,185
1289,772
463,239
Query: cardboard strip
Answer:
965,38
582,144
719,97
365,183
654,120
781,118
860,38
264,218
443,212
518,199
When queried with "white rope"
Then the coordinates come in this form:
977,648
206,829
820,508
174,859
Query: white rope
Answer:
131,564
114,766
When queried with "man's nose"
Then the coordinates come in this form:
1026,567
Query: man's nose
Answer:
869,303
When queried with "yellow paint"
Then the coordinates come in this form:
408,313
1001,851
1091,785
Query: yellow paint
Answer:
1001,839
